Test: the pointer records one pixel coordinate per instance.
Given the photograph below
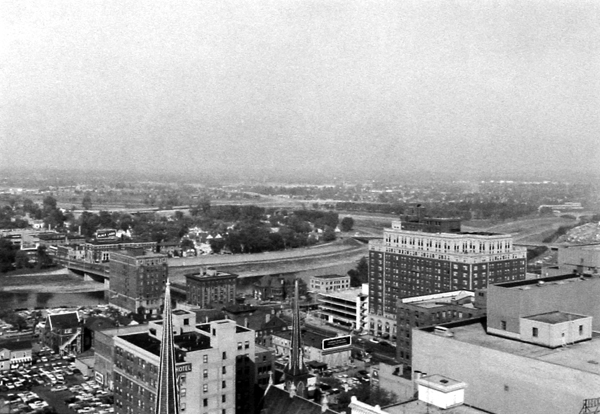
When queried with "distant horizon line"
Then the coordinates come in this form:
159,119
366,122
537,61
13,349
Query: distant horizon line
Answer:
258,176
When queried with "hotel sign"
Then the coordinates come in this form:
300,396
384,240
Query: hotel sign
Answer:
337,342
180,369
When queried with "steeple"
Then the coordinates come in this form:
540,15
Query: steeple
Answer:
167,396
295,372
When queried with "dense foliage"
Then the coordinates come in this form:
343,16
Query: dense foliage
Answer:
360,274
243,229
11,257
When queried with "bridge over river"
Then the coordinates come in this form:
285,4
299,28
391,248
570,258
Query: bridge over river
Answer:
338,257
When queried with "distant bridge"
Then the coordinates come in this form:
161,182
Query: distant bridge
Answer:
95,271
101,272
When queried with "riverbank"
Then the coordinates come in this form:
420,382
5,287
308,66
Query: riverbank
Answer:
56,281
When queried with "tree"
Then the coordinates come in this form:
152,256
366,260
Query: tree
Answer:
187,244
86,203
328,234
217,245
43,259
7,255
347,223
55,219
106,220
14,319
21,260
360,274
49,203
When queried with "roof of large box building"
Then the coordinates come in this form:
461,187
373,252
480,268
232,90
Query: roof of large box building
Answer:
190,341
555,317
571,277
584,356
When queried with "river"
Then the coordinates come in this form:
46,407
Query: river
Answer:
61,288
31,300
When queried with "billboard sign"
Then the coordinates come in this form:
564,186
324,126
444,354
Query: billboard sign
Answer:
337,342
106,234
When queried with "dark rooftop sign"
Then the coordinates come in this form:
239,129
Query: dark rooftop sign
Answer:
337,342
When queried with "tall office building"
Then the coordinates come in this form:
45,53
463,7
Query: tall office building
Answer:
137,280
421,256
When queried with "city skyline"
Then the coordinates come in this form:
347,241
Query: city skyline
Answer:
339,87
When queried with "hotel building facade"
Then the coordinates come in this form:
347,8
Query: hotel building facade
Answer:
417,257
214,363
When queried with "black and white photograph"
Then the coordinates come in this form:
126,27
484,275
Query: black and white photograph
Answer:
300,207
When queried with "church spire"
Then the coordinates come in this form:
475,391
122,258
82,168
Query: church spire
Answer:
167,398
295,371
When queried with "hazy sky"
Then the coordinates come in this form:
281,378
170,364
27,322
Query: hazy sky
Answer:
289,84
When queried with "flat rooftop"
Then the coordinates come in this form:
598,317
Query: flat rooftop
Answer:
200,277
454,234
583,356
349,294
329,276
441,383
534,282
119,242
188,342
594,246
440,299
421,407
555,317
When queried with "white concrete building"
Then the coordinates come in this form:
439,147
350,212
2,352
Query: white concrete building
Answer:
349,308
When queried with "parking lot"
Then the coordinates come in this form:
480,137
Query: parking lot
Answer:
52,382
